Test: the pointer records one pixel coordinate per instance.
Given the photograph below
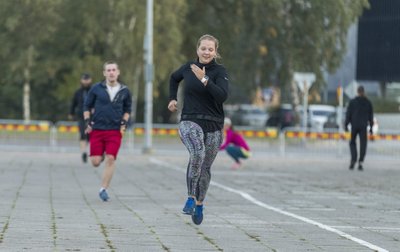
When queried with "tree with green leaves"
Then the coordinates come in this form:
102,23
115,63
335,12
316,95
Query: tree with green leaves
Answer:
26,25
47,44
264,42
312,37
94,31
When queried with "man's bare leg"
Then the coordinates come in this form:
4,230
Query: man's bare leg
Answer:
108,171
96,160
107,174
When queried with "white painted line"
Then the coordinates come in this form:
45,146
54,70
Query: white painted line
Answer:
278,210
372,228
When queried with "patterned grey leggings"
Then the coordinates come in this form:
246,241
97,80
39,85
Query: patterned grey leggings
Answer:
203,148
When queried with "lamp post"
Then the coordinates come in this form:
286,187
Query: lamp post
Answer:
148,55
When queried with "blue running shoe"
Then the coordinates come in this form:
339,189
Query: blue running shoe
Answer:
103,195
189,206
197,216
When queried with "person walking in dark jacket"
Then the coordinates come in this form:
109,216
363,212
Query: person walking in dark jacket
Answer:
359,115
76,112
110,101
202,119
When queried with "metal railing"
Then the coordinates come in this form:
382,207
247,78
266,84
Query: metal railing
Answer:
64,135
385,144
34,134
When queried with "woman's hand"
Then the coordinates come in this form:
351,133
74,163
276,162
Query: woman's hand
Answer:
198,71
172,106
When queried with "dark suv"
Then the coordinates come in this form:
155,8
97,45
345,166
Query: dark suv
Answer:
282,117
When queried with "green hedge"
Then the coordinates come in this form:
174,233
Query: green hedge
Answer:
385,106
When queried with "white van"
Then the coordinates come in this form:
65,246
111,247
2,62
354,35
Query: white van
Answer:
318,115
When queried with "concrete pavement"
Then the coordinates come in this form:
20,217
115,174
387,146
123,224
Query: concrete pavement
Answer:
50,203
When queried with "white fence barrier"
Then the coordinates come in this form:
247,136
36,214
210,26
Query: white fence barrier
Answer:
64,136
334,143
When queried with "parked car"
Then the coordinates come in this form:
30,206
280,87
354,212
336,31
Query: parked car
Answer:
331,122
318,115
248,115
282,117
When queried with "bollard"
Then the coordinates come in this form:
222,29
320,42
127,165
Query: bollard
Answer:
131,140
53,137
282,135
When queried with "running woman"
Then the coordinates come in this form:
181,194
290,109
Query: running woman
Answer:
202,119
111,103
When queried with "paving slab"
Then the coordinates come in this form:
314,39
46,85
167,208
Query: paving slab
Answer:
50,203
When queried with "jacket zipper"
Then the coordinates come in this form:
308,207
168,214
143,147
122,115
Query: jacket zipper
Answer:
116,95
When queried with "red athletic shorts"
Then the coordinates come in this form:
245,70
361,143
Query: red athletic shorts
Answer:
107,141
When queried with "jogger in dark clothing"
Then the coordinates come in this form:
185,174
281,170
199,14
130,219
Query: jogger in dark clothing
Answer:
359,115
76,112
202,119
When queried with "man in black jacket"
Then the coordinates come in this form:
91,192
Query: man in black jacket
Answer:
76,112
359,115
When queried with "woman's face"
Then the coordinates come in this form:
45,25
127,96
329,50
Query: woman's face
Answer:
206,51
